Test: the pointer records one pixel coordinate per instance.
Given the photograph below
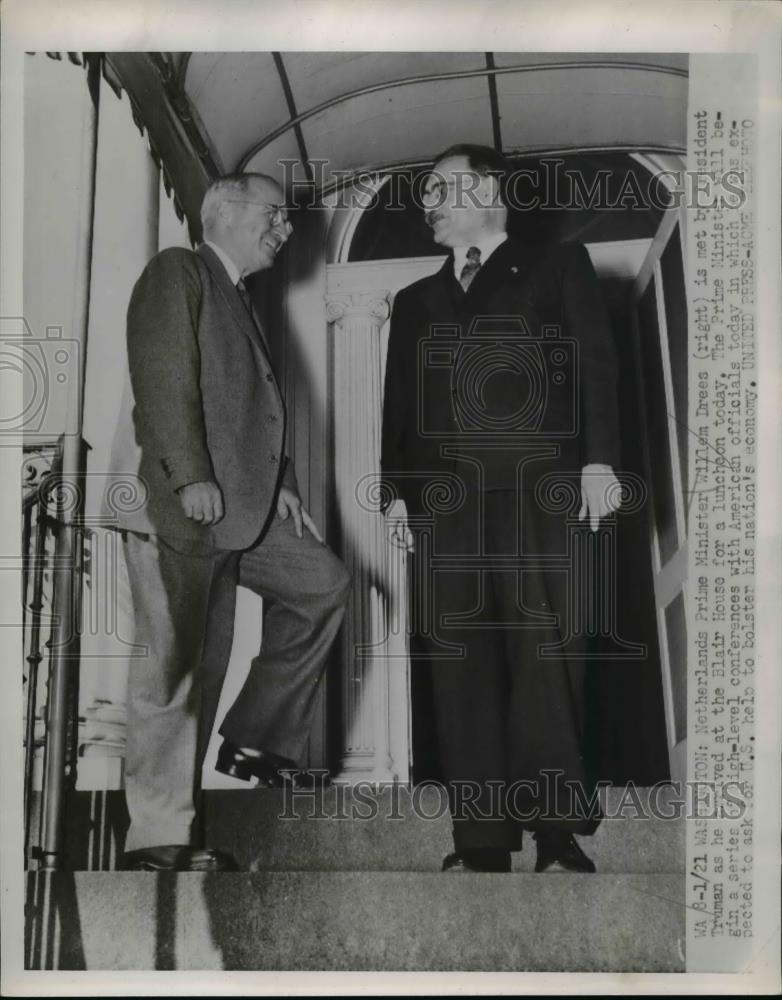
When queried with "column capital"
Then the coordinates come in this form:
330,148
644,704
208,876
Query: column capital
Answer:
373,307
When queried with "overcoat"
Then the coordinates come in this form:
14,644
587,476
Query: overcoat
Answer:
510,387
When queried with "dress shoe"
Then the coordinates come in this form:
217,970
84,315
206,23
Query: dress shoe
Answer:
178,858
478,859
557,847
268,770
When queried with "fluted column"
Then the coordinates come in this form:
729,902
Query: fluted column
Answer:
375,664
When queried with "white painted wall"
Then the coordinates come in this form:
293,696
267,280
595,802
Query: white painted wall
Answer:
54,112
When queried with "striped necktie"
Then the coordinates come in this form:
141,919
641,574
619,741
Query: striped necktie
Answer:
471,267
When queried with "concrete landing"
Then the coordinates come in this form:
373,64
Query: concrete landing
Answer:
372,921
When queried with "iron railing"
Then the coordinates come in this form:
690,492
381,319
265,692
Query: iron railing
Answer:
52,571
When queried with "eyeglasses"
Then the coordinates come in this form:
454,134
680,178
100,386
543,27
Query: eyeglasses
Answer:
438,191
277,213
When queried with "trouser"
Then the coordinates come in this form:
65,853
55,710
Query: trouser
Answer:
183,597
509,715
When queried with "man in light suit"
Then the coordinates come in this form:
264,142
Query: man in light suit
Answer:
221,506
500,381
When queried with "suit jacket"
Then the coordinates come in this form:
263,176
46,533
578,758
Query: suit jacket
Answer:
477,381
206,402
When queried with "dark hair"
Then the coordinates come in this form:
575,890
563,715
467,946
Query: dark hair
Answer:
483,160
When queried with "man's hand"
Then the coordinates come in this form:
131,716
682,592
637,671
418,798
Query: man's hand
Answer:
202,502
289,503
600,493
400,535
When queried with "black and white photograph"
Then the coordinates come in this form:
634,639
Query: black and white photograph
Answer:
388,434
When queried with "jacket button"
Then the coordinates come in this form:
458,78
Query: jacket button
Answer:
269,377
273,459
272,418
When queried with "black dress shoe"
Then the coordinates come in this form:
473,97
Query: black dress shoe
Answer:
478,859
560,847
178,858
267,769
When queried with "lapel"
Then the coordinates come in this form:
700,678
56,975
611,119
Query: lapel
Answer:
249,324
443,294
508,268
506,275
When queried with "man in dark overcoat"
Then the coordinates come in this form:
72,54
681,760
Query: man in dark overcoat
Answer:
500,432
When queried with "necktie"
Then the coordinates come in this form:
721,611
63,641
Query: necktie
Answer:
244,295
471,267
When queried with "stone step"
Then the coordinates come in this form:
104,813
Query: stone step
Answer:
370,921
271,830
390,829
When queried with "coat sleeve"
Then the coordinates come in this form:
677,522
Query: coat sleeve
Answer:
586,320
165,367
400,383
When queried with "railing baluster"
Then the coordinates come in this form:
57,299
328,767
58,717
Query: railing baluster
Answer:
34,656
66,639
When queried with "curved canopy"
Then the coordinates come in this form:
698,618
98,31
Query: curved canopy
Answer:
379,109
333,114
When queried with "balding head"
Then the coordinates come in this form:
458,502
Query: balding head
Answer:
245,215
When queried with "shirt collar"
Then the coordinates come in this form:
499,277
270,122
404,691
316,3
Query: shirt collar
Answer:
487,248
225,260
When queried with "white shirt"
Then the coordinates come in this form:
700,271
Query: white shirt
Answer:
225,260
487,248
